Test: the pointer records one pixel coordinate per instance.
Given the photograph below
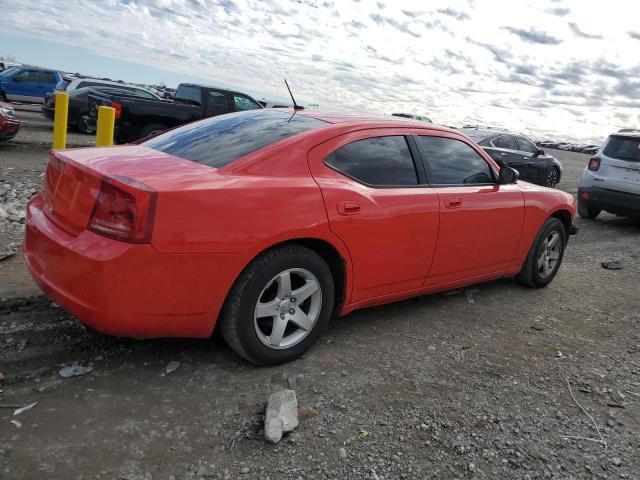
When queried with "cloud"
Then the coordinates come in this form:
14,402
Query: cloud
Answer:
559,11
465,66
534,36
454,13
579,33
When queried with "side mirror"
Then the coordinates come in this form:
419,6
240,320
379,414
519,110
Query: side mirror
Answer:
507,176
539,152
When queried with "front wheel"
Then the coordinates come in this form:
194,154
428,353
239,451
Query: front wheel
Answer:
544,258
553,176
83,124
279,306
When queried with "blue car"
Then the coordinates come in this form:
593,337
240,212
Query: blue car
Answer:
27,84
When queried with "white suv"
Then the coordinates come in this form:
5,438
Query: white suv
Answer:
611,181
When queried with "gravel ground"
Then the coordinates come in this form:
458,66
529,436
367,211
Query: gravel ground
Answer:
495,381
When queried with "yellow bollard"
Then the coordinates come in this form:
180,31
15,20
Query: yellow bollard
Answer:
106,124
60,117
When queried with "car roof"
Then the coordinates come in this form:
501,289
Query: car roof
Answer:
633,134
215,88
353,117
33,67
482,134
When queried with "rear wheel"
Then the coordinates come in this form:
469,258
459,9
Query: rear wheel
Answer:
544,258
553,176
587,212
279,306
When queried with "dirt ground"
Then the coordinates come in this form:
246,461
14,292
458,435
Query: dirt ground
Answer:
496,381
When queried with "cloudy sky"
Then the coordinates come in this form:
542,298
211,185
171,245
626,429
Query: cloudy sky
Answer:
567,69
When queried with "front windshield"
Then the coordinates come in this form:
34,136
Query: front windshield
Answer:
9,72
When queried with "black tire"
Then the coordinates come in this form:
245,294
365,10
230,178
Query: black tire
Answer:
152,129
530,274
237,317
586,212
553,177
82,125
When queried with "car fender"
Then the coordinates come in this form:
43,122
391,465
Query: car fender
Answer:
540,205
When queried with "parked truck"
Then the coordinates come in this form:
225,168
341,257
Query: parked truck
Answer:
139,117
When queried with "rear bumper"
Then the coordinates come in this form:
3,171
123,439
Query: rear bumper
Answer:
612,201
124,289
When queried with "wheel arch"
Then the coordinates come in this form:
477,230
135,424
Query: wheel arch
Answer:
565,217
334,259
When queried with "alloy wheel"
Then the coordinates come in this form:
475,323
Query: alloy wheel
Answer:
288,308
549,255
552,178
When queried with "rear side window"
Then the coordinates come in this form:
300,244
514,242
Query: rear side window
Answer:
452,162
218,104
218,141
623,148
50,77
506,141
379,161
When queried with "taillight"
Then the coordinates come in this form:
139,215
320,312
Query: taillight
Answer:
118,108
124,210
594,164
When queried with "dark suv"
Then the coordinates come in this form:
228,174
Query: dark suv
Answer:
520,153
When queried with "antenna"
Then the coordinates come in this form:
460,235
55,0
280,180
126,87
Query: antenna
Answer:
295,105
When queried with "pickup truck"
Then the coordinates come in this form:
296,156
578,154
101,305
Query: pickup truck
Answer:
139,117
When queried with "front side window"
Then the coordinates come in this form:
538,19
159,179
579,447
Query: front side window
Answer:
506,141
378,161
452,162
243,103
218,141
527,146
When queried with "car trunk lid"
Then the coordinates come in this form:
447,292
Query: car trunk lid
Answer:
620,163
73,178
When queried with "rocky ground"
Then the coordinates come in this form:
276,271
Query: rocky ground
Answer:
496,381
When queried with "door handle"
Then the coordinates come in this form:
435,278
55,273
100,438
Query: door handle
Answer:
452,202
348,208
503,154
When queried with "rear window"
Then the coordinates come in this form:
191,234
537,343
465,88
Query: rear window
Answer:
189,94
623,148
218,141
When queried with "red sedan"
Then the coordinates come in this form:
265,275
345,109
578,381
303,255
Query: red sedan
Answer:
268,222
9,124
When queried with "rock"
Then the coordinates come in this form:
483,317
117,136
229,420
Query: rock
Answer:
342,452
292,380
281,415
172,366
244,470
74,370
616,461
612,265
307,412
